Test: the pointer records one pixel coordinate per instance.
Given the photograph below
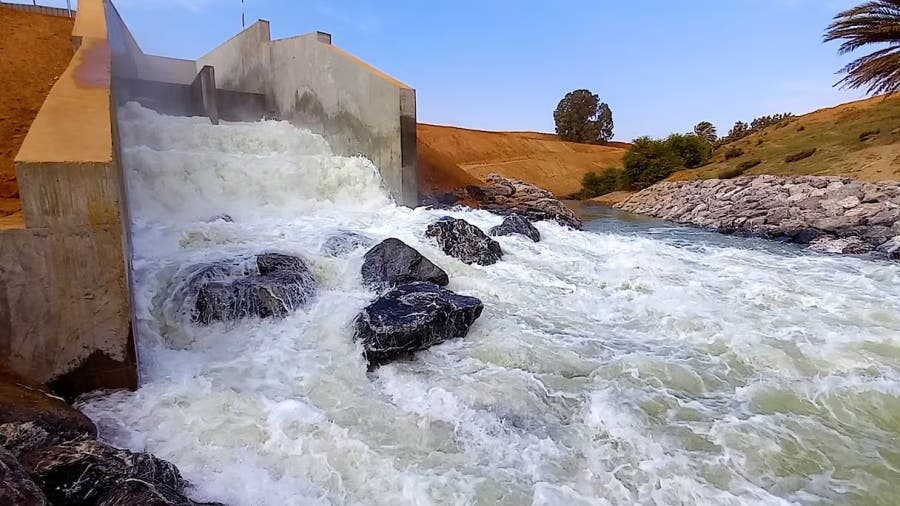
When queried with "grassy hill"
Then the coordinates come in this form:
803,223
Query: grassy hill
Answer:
858,139
450,158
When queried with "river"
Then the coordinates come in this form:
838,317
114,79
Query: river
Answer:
633,363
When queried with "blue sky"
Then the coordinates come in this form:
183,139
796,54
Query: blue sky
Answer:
662,65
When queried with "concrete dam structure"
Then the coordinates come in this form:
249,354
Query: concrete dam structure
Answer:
65,294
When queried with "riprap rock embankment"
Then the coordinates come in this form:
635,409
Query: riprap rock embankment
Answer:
835,214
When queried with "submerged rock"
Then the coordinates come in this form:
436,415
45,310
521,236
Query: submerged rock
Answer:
413,317
221,217
504,195
460,239
84,471
267,263
231,290
344,243
516,224
16,487
264,296
392,262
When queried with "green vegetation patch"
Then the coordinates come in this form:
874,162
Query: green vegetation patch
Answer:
796,157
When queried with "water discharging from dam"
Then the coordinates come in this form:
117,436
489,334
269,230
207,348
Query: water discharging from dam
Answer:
632,363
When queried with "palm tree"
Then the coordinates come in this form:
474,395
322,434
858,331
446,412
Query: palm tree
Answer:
706,130
873,23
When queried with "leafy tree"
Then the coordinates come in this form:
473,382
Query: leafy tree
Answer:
873,23
693,150
610,180
706,130
648,161
581,117
738,131
767,121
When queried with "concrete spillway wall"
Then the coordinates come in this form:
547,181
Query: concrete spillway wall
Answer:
65,295
65,312
312,83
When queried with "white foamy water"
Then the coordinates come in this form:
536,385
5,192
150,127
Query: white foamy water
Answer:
629,365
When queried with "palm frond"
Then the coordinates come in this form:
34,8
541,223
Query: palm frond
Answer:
875,22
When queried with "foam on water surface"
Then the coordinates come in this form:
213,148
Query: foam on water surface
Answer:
631,364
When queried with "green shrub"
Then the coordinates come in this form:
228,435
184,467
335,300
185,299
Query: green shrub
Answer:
806,153
730,172
801,128
868,134
749,164
733,152
594,185
648,161
693,150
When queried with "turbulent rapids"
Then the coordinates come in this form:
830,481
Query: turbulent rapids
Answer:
631,363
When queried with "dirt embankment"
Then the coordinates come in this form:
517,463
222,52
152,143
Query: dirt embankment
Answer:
34,50
450,158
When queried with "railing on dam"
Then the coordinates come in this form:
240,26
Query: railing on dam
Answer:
41,9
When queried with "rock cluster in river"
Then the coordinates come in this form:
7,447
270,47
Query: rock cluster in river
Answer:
841,215
415,312
49,455
504,196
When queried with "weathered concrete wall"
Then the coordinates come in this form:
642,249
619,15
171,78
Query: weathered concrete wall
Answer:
312,83
65,313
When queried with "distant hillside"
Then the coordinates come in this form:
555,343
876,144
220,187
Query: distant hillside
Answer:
450,158
857,139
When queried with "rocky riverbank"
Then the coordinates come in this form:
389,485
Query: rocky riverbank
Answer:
833,214
49,455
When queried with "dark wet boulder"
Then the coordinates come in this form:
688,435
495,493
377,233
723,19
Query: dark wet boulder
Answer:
516,224
413,317
392,262
460,239
345,243
51,419
135,491
265,295
16,487
267,263
84,471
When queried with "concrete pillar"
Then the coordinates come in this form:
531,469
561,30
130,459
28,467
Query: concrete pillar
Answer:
409,172
203,90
